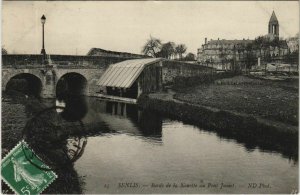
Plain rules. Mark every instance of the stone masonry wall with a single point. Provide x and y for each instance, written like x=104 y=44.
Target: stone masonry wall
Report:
x=61 y=60
x=174 y=69
x=49 y=88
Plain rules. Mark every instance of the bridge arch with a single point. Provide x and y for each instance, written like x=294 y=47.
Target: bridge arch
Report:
x=27 y=83
x=71 y=83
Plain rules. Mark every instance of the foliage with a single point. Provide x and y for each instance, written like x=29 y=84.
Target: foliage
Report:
x=167 y=50
x=180 y=49
x=250 y=57
x=263 y=42
x=155 y=48
x=292 y=58
x=4 y=51
x=152 y=47
x=190 y=57
x=223 y=56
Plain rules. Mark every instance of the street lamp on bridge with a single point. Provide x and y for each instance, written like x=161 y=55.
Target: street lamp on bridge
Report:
x=43 y=51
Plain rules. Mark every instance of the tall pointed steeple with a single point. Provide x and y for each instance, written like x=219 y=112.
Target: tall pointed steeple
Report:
x=273 y=28
x=273 y=18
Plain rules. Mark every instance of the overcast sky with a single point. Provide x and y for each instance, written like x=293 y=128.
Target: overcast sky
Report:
x=75 y=27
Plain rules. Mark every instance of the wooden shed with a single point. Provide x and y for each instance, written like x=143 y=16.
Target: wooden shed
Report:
x=131 y=78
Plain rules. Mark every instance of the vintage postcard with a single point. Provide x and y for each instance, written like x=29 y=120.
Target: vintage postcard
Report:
x=150 y=97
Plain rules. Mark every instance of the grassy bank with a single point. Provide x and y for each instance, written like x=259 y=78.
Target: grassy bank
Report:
x=272 y=100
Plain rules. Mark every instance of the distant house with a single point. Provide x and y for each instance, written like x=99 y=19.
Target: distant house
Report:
x=225 y=54
x=293 y=44
x=131 y=78
x=220 y=53
x=107 y=53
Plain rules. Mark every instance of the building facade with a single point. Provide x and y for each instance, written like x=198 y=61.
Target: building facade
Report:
x=293 y=44
x=236 y=54
x=222 y=54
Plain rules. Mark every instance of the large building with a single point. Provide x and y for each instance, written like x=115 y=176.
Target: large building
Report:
x=230 y=54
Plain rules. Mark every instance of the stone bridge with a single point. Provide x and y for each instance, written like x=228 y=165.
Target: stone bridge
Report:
x=80 y=76
x=47 y=78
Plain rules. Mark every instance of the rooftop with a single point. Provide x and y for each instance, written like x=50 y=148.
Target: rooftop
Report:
x=224 y=41
x=96 y=51
x=123 y=74
x=273 y=18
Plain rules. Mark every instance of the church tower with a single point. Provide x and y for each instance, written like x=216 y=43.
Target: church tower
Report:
x=273 y=26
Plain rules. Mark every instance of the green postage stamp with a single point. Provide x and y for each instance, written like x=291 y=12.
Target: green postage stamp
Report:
x=24 y=176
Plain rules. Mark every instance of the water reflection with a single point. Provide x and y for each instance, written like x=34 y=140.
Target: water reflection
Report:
x=74 y=108
x=60 y=105
x=113 y=137
x=100 y=117
x=126 y=118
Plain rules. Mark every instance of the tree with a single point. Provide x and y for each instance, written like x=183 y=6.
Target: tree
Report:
x=4 y=51
x=250 y=57
x=175 y=54
x=207 y=61
x=292 y=58
x=167 y=50
x=190 y=57
x=152 y=47
x=180 y=49
x=223 y=56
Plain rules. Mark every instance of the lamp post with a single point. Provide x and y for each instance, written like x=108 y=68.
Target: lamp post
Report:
x=43 y=51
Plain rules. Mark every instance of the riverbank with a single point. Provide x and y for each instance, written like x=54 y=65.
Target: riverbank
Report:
x=17 y=110
x=255 y=112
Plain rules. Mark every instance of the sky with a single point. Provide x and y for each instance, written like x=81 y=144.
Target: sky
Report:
x=76 y=27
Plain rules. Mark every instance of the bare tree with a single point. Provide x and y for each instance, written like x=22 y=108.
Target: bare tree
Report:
x=152 y=47
x=181 y=49
x=4 y=51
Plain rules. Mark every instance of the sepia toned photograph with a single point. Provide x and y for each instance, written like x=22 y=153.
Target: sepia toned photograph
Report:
x=150 y=97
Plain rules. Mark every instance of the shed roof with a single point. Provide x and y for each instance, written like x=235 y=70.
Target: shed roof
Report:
x=123 y=74
x=96 y=51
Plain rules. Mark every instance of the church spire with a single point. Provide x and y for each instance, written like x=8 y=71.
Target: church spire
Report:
x=273 y=18
x=273 y=27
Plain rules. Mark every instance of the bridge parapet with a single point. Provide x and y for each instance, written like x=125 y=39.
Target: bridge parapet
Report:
x=47 y=67
x=60 y=60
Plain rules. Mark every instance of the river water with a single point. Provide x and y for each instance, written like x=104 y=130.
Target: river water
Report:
x=138 y=151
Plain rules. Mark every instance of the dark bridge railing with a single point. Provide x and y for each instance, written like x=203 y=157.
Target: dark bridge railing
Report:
x=60 y=60
x=57 y=66
x=14 y=60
